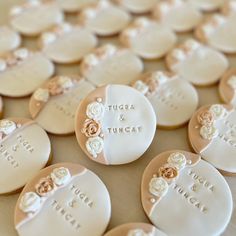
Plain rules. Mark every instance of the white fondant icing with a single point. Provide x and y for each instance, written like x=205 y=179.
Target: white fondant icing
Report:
x=158 y=186
x=177 y=159
x=196 y=206
x=89 y=215
x=41 y=95
x=60 y=176
x=30 y=202
x=95 y=110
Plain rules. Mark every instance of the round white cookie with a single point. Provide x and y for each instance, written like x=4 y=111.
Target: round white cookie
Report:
x=113 y=117
x=182 y=195
x=34 y=16
x=212 y=134
x=24 y=149
x=179 y=15
x=138 y=6
x=66 y=43
x=207 y=5
x=218 y=31
x=174 y=99
x=194 y=61
x=103 y=18
x=148 y=38
x=55 y=103
x=63 y=199
x=74 y=5
x=22 y=71
x=135 y=229
x=109 y=64
x=9 y=39
x=227 y=87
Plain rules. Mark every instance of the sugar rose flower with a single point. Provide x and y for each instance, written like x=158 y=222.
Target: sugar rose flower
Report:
x=30 y=202
x=7 y=126
x=152 y=84
x=218 y=111
x=44 y=187
x=177 y=159
x=60 y=176
x=91 y=128
x=141 y=87
x=94 y=146
x=158 y=186
x=205 y=118
x=55 y=88
x=208 y=132
x=95 y=110
x=168 y=172
x=138 y=232
x=41 y=95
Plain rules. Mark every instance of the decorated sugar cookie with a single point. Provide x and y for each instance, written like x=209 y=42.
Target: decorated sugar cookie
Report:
x=55 y=103
x=194 y=61
x=109 y=64
x=227 y=87
x=103 y=18
x=138 y=6
x=74 y=5
x=207 y=5
x=22 y=71
x=113 y=117
x=66 y=43
x=135 y=229
x=184 y=195
x=212 y=135
x=9 y=39
x=24 y=149
x=174 y=99
x=63 y=199
x=34 y=16
x=148 y=39
x=219 y=31
x=179 y=15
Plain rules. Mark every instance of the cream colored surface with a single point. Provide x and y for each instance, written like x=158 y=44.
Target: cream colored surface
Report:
x=123 y=182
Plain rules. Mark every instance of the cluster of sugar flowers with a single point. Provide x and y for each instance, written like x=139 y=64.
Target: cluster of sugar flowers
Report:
x=31 y=202
x=92 y=127
x=7 y=127
x=55 y=87
x=138 y=232
x=207 y=119
x=14 y=58
x=149 y=85
x=168 y=173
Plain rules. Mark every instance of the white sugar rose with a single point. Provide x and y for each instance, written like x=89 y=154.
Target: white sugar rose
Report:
x=91 y=60
x=30 y=202
x=95 y=111
x=232 y=81
x=218 y=111
x=48 y=38
x=61 y=176
x=208 y=132
x=94 y=146
x=65 y=82
x=138 y=232
x=208 y=29
x=21 y=53
x=7 y=126
x=141 y=87
x=192 y=44
x=41 y=95
x=179 y=54
x=160 y=77
x=158 y=186
x=177 y=159
x=108 y=50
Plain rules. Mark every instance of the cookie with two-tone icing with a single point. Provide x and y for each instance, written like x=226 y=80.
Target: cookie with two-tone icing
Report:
x=193 y=61
x=34 y=16
x=218 y=31
x=22 y=71
x=72 y=6
x=148 y=39
x=174 y=99
x=9 y=39
x=54 y=104
x=207 y=5
x=63 y=199
x=179 y=15
x=184 y=195
x=24 y=149
x=135 y=229
x=110 y=64
x=113 y=117
x=137 y=6
x=212 y=134
x=67 y=43
x=104 y=18
x=227 y=87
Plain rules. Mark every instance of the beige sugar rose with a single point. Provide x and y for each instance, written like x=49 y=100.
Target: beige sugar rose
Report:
x=44 y=187
x=91 y=128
